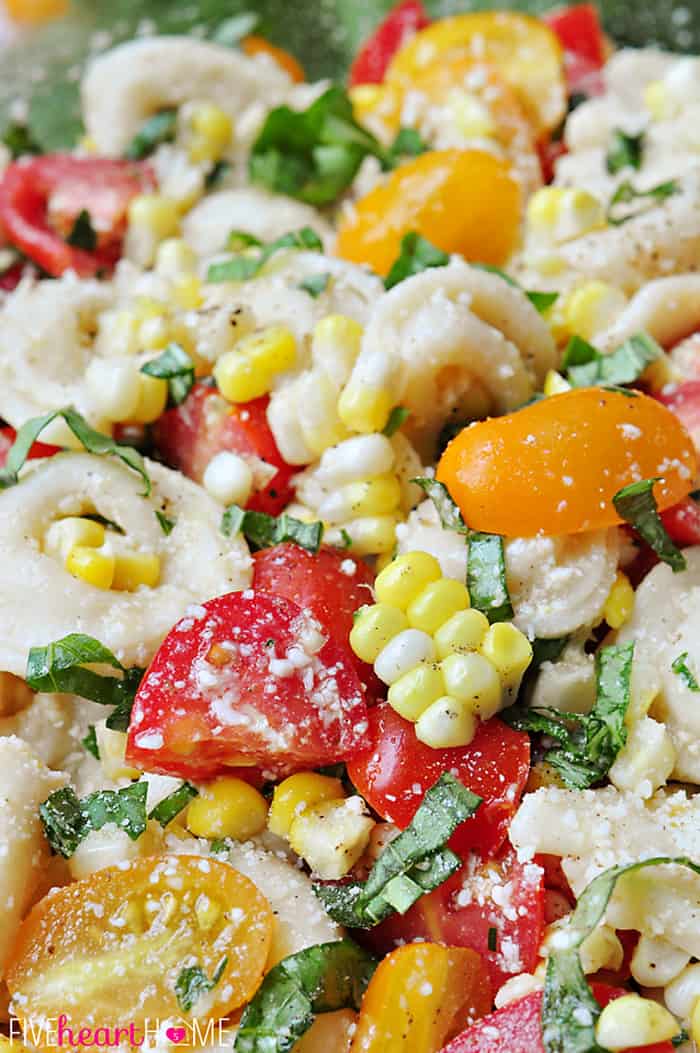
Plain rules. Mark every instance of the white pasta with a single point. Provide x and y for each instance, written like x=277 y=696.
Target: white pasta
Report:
x=667 y=308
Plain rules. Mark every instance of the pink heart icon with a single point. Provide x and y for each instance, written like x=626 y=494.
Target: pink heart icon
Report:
x=176 y=1034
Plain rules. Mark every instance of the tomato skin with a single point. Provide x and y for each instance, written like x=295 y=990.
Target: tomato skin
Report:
x=578 y=28
x=682 y=522
x=255 y=45
x=102 y=187
x=402 y=22
x=554 y=466
x=684 y=401
x=397 y=769
x=10 y=279
x=38 y=449
x=212 y=697
x=189 y=435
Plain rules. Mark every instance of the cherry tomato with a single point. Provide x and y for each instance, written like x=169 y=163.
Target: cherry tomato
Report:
x=11 y=278
x=684 y=401
x=110 y=948
x=579 y=30
x=549 y=153
x=463 y=201
x=555 y=466
x=254 y=45
x=501 y=902
x=402 y=22
x=38 y=449
x=36 y=11
x=250 y=676
x=188 y=436
x=397 y=769
x=41 y=197
x=682 y=522
x=419 y=996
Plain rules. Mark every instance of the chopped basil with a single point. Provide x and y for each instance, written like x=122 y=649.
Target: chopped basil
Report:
x=175 y=366
x=450 y=516
x=89 y=743
x=588 y=743
x=232 y=30
x=679 y=666
x=636 y=504
x=264 y=531
x=93 y=441
x=193 y=982
x=319 y=979
x=220 y=846
x=417 y=254
x=541 y=301
x=316 y=284
x=216 y=174
x=493 y=939
x=345 y=538
x=167 y=525
x=625 y=151
x=586 y=367
x=313 y=154
x=626 y=193
x=60 y=667
x=68 y=819
x=238 y=240
x=108 y=524
x=547 y=650
x=19 y=141
x=166 y=810
x=415 y=862
x=83 y=235
x=398 y=416
x=160 y=128
x=241 y=268
x=569 y=1010
x=408 y=143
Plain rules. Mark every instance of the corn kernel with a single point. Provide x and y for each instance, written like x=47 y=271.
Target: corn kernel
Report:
x=187 y=292
x=370 y=535
x=295 y=794
x=683 y=992
x=620 y=602
x=361 y=457
x=554 y=383
x=656 y=962
x=508 y=650
x=412 y=693
x=462 y=632
x=592 y=307
x=154 y=334
x=601 y=950
x=65 y=534
x=113 y=387
x=132 y=569
x=402 y=653
x=321 y=427
x=557 y=214
x=470 y=115
x=117 y=334
x=402 y=581
x=364 y=408
x=228 y=478
x=373 y=628
x=156 y=213
x=656 y=100
x=274 y=349
x=634 y=1021
x=472 y=679
x=175 y=258
x=227 y=807
x=436 y=603
x=446 y=723
x=111 y=746
x=336 y=340
x=92 y=566
x=237 y=378
x=369 y=497
x=332 y=835
x=153 y=398
x=365 y=98
x=544 y=207
x=213 y=131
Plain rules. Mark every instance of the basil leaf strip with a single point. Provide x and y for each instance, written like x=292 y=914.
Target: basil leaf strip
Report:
x=316 y=284
x=158 y=129
x=679 y=666
x=398 y=416
x=626 y=193
x=408 y=143
x=89 y=743
x=586 y=367
x=93 y=441
x=175 y=366
x=264 y=531
x=193 y=982
x=68 y=819
x=625 y=151
x=20 y=141
x=83 y=235
x=241 y=268
x=541 y=301
x=416 y=255
x=167 y=525
x=319 y=979
x=448 y=512
x=636 y=504
x=569 y=1010
x=166 y=810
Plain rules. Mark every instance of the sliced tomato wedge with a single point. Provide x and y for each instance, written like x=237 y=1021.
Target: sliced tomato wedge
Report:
x=38 y=449
x=402 y=22
x=41 y=197
x=397 y=769
x=682 y=522
x=247 y=678
x=581 y=34
x=188 y=436
x=684 y=401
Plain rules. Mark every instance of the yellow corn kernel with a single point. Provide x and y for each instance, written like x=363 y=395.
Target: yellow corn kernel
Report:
x=118 y=333
x=601 y=950
x=402 y=581
x=132 y=569
x=153 y=398
x=295 y=794
x=157 y=214
x=337 y=336
x=364 y=408
x=365 y=98
x=383 y=561
x=436 y=603
x=372 y=497
x=620 y=602
x=175 y=258
x=554 y=383
x=332 y=835
x=592 y=307
x=371 y=535
x=473 y=680
x=111 y=746
x=656 y=99
x=544 y=207
x=154 y=334
x=87 y=144
x=447 y=722
x=65 y=534
x=471 y=117
x=462 y=632
x=508 y=650
x=634 y=1021
x=695 y=1022
x=321 y=427
x=148 y=307
x=212 y=132
x=91 y=565
x=247 y=371
x=374 y=626
x=274 y=349
x=557 y=214
x=227 y=807
x=187 y=292
x=412 y=693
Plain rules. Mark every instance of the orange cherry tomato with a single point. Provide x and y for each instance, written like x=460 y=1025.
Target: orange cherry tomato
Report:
x=108 y=950
x=525 y=51
x=254 y=45
x=35 y=11
x=463 y=201
x=421 y=995
x=555 y=466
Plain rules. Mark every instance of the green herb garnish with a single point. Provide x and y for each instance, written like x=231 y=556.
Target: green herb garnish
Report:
x=68 y=819
x=626 y=193
x=175 y=366
x=166 y=810
x=625 y=151
x=158 y=129
x=636 y=504
x=680 y=667
x=193 y=982
x=241 y=268
x=264 y=531
x=585 y=366
x=417 y=254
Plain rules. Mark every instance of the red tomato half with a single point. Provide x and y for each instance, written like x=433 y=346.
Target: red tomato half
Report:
x=39 y=449
x=11 y=278
x=397 y=769
x=684 y=401
x=189 y=435
x=402 y=22
x=682 y=522
x=41 y=197
x=579 y=30
x=246 y=677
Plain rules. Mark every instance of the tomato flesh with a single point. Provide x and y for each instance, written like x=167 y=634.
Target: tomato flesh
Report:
x=247 y=678
x=397 y=769
x=374 y=56
x=684 y=401
x=38 y=449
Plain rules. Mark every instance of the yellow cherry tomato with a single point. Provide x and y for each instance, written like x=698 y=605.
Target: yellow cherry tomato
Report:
x=555 y=466
x=35 y=11
x=109 y=950
x=254 y=45
x=522 y=48
x=463 y=201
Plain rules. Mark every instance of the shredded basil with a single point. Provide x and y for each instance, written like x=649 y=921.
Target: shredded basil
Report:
x=586 y=367
x=167 y=525
x=160 y=128
x=316 y=284
x=408 y=143
x=264 y=531
x=417 y=254
x=220 y=846
x=319 y=979
x=493 y=939
x=398 y=416
x=19 y=141
x=241 y=268
x=83 y=235
x=541 y=301
x=626 y=193
x=448 y=512
x=193 y=982
x=625 y=151
x=345 y=538
x=636 y=504
x=68 y=819
x=89 y=743
x=93 y=441
x=216 y=174
x=166 y=810
x=175 y=366
x=680 y=667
